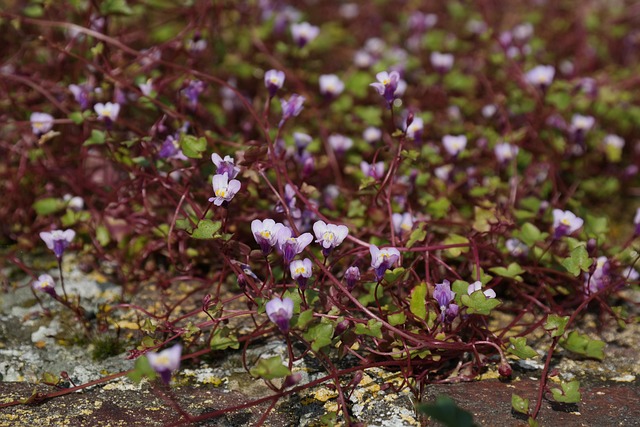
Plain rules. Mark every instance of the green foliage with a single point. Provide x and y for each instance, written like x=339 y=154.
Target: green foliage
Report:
x=319 y=335
x=192 y=146
x=391 y=276
x=270 y=368
x=478 y=303
x=142 y=369
x=397 y=319
x=417 y=235
x=530 y=234
x=447 y=412
x=455 y=239
x=303 y=319
x=556 y=324
x=97 y=137
x=223 y=338
x=519 y=404
x=206 y=229
x=373 y=328
x=48 y=206
x=115 y=7
x=583 y=345
x=518 y=346
x=513 y=271
x=577 y=261
x=569 y=393
x=418 y=301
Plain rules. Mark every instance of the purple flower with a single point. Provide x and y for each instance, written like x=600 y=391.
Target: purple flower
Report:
x=226 y=165
x=387 y=85
x=516 y=248
x=273 y=80
x=107 y=112
x=402 y=223
x=454 y=144
x=340 y=143
x=444 y=296
x=477 y=286
x=565 y=222
x=41 y=123
x=329 y=235
x=372 y=134
x=383 y=259
x=45 y=283
x=166 y=361
x=330 y=85
x=540 y=76
x=223 y=189
x=636 y=221
x=291 y=108
x=374 y=170
x=193 y=91
x=81 y=94
x=442 y=62
x=415 y=129
x=352 y=276
x=292 y=246
x=280 y=312
x=599 y=278
x=301 y=271
x=170 y=149
x=266 y=233
x=303 y=33
x=580 y=123
x=505 y=152
x=58 y=240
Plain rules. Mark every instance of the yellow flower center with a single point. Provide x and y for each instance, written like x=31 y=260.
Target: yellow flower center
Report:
x=565 y=221
x=405 y=226
x=386 y=81
x=45 y=284
x=300 y=270
x=162 y=361
x=266 y=234
x=221 y=192
x=328 y=236
x=38 y=125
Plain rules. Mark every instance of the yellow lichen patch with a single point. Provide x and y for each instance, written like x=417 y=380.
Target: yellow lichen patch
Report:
x=125 y=324
x=214 y=381
x=324 y=394
x=40 y=344
x=98 y=277
x=409 y=420
x=331 y=406
x=490 y=375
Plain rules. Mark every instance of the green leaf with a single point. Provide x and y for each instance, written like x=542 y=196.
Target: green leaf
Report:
x=320 y=335
x=270 y=368
x=224 y=339
x=512 y=271
x=439 y=208
x=48 y=206
x=446 y=411
x=530 y=234
x=103 y=236
x=397 y=319
x=569 y=393
x=76 y=117
x=418 y=301
x=578 y=261
x=556 y=324
x=205 y=229
x=142 y=369
x=519 y=404
x=478 y=303
x=455 y=239
x=304 y=318
x=583 y=345
x=520 y=348
x=392 y=275
x=192 y=147
x=372 y=329
x=115 y=7
x=417 y=235
x=97 y=138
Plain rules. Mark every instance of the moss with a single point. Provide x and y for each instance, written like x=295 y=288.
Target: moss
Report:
x=106 y=346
